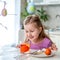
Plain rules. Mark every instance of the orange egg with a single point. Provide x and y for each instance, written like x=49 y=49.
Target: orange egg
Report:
x=24 y=48
x=48 y=51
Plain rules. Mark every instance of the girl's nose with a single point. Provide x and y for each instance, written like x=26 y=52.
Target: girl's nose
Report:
x=29 y=34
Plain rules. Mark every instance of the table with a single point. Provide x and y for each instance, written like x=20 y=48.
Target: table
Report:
x=12 y=53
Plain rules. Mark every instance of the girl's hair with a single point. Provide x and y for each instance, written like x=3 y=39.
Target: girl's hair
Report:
x=35 y=19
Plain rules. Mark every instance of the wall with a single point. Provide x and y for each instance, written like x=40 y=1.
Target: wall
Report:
x=9 y=24
x=54 y=12
x=23 y=3
x=17 y=19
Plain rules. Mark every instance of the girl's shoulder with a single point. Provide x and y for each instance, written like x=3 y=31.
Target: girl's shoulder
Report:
x=46 y=40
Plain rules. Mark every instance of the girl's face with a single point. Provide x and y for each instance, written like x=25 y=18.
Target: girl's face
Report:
x=31 y=32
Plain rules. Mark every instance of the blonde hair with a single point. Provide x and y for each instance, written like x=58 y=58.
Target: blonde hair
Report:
x=35 y=19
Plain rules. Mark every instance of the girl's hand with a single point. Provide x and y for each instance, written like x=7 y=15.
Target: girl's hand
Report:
x=18 y=46
x=53 y=47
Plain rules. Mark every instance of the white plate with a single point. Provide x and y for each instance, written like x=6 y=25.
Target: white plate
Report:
x=43 y=55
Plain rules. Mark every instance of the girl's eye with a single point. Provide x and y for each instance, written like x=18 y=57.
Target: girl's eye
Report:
x=26 y=31
x=32 y=31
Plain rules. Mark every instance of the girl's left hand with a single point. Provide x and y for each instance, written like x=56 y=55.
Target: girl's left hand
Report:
x=53 y=47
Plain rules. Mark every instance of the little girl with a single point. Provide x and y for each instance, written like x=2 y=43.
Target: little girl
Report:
x=35 y=34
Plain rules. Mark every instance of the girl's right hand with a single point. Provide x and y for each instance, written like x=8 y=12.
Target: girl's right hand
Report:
x=18 y=46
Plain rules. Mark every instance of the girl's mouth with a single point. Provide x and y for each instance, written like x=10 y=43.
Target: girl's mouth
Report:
x=31 y=37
